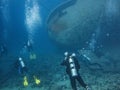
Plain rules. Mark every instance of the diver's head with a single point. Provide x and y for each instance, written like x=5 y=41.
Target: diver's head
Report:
x=66 y=53
x=20 y=59
x=73 y=55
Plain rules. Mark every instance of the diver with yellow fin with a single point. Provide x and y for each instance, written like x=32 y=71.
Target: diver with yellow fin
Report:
x=29 y=48
x=22 y=70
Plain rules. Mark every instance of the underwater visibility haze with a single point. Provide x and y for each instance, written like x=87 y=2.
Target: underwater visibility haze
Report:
x=35 y=35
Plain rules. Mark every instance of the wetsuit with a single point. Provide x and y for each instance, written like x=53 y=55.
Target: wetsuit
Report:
x=72 y=69
x=22 y=69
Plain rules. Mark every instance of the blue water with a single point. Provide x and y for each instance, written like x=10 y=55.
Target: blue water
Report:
x=14 y=31
x=23 y=20
x=16 y=28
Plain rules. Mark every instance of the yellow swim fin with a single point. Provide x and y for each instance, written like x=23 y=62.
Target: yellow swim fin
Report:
x=25 y=81
x=37 y=81
x=32 y=56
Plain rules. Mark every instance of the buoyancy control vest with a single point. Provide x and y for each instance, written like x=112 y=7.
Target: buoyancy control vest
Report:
x=72 y=67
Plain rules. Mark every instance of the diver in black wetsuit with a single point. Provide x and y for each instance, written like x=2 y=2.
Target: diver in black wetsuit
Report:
x=3 y=50
x=72 y=69
x=29 y=46
x=21 y=67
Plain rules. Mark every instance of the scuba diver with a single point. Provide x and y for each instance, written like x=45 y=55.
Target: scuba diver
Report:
x=28 y=46
x=22 y=69
x=72 y=69
x=20 y=65
x=3 y=50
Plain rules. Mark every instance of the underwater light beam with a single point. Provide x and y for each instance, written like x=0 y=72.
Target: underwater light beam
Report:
x=33 y=19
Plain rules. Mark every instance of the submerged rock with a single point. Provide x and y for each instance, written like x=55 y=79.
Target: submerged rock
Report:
x=74 y=22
